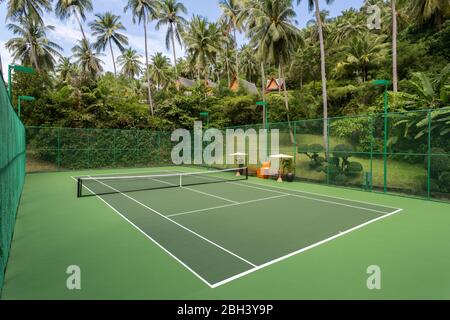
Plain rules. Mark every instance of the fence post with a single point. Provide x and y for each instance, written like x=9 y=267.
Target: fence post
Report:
x=58 y=151
x=371 y=153
x=429 y=156
x=295 y=147
x=385 y=150
x=159 y=148
x=327 y=148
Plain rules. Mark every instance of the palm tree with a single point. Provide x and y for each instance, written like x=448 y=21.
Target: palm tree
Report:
x=426 y=10
x=65 y=69
x=77 y=8
x=186 y=66
x=349 y=24
x=226 y=57
x=203 y=41
x=106 y=28
x=315 y=4
x=394 y=46
x=363 y=53
x=160 y=70
x=233 y=20
x=31 y=46
x=88 y=61
x=273 y=33
x=32 y=9
x=131 y=64
x=142 y=10
x=249 y=62
x=169 y=14
x=427 y=92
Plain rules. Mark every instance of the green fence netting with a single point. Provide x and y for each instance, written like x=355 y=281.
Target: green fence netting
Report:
x=12 y=173
x=55 y=149
x=413 y=158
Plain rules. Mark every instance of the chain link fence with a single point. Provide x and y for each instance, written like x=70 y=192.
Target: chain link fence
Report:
x=411 y=156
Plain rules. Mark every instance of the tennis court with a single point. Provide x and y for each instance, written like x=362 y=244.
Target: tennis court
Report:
x=221 y=226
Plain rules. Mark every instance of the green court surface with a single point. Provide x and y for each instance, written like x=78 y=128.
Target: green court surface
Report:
x=241 y=239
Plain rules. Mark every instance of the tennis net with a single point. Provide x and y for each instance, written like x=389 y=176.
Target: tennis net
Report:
x=94 y=186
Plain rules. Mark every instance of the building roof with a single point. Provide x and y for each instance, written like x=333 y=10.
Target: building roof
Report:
x=211 y=84
x=186 y=83
x=274 y=84
x=248 y=86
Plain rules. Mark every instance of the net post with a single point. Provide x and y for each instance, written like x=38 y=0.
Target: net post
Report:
x=79 y=186
x=246 y=173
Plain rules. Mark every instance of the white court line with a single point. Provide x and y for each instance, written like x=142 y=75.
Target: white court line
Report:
x=226 y=206
x=182 y=174
x=304 y=197
x=120 y=173
x=315 y=199
x=149 y=237
x=323 y=195
x=312 y=193
x=211 y=195
x=215 y=285
x=180 y=225
x=198 y=191
x=256 y=268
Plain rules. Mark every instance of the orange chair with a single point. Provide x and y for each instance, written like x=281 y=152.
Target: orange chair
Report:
x=264 y=171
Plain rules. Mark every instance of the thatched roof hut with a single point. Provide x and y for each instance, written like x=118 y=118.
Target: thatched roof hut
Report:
x=236 y=84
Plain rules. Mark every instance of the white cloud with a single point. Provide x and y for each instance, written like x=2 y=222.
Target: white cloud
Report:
x=156 y=43
x=67 y=33
x=6 y=58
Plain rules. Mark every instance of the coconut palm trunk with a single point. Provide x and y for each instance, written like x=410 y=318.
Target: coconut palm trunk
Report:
x=149 y=89
x=324 y=77
x=237 y=55
x=263 y=78
x=286 y=103
x=75 y=13
x=279 y=79
x=228 y=67
x=112 y=56
x=174 y=56
x=394 y=47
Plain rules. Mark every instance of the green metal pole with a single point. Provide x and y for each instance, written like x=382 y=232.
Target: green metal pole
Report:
x=18 y=107
x=295 y=147
x=266 y=108
x=429 y=156
x=371 y=154
x=385 y=135
x=264 y=117
x=58 y=157
x=328 y=153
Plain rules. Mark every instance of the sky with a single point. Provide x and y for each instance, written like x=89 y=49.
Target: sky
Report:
x=67 y=32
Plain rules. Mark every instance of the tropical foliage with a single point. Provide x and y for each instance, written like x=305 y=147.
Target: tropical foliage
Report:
x=327 y=67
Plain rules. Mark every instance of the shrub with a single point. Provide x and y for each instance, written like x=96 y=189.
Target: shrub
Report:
x=340 y=178
x=343 y=151
x=439 y=162
x=316 y=159
x=434 y=186
x=354 y=168
x=444 y=181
